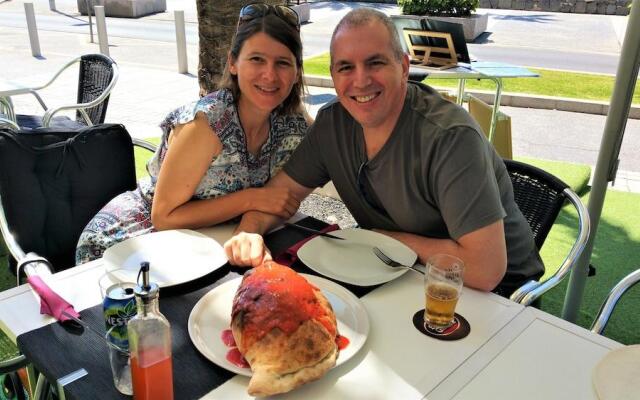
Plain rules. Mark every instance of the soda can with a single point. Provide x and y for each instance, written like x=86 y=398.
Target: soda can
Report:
x=119 y=307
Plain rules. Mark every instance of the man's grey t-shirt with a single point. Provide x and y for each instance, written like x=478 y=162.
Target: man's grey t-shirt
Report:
x=436 y=176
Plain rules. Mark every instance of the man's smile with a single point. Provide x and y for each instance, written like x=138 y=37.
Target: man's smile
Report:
x=365 y=98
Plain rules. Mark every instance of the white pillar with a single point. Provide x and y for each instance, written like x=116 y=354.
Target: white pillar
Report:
x=102 y=30
x=33 y=29
x=87 y=4
x=181 y=41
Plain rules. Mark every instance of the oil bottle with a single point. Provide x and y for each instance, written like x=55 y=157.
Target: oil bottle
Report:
x=150 y=344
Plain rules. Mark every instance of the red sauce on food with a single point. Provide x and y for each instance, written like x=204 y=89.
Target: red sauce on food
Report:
x=227 y=338
x=235 y=357
x=274 y=296
x=342 y=342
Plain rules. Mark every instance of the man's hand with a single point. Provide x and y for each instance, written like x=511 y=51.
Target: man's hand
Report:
x=246 y=247
x=278 y=201
x=246 y=250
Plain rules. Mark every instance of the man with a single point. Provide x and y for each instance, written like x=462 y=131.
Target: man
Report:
x=406 y=163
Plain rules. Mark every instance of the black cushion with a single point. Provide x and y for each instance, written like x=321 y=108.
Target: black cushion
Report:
x=53 y=181
x=28 y=122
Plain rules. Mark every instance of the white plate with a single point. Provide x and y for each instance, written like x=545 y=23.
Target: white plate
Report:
x=212 y=314
x=352 y=260
x=616 y=375
x=176 y=256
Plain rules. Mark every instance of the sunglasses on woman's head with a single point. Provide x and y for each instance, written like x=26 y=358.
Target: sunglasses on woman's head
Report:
x=259 y=10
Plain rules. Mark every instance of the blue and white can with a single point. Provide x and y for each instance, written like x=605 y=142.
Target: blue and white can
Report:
x=119 y=307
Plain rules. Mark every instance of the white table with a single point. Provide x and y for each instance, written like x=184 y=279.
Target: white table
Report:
x=384 y=362
x=536 y=356
x=20 y=306
x=509 y=352
x=397 y=361
x=493 y=71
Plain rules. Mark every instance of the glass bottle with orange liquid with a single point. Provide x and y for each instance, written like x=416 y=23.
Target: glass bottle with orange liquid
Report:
x=150 y=344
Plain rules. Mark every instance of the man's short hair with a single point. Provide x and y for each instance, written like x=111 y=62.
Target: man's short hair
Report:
x=364 y=15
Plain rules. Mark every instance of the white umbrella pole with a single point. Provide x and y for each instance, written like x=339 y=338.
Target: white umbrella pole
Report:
x=606 y=166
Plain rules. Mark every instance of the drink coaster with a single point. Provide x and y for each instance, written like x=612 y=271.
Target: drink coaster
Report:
x=458 y=330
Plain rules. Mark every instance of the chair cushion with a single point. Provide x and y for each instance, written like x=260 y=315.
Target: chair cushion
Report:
x=53 y=181
x=27 y=122
x=417 y=74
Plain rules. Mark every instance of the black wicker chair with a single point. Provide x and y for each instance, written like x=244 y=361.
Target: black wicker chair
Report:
x=98 y=75
x=540 y=196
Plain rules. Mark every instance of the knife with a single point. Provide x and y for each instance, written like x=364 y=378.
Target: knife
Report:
x=310 y=230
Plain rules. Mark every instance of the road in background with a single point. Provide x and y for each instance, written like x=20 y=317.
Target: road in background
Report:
x=149 y=86
x=576 y=42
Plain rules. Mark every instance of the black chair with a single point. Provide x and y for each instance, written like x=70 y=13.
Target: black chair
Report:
x=540 y=196
x=98 y=75
x=11 y=385
x=52 y=182
x=401 y=22
x=417 y=34
x=607 y=307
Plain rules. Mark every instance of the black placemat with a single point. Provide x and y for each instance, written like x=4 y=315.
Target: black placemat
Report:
x=57 y=351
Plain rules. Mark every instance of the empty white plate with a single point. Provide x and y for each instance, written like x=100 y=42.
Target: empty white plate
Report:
x=616 y=375
x=352 y=260
x=175 y=257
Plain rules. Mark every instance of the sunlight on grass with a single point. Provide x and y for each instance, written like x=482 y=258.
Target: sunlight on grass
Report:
x=318 y=65
x=550 y=83
x=142 y=156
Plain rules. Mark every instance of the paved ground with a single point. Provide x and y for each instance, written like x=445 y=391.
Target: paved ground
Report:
x=149 y=86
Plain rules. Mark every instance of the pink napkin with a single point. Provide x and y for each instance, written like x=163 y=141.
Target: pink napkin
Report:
x=290 y=255
x=50 y=302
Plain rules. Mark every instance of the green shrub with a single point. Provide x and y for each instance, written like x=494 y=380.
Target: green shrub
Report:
x=456 y=8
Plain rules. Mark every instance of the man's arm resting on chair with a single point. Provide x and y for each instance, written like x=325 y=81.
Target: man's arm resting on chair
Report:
x=246 y=247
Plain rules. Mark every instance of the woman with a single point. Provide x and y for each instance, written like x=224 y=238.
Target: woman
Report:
x=217 y=153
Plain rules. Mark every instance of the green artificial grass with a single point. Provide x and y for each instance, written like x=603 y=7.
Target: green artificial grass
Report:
x=318 y=65
x=616 y=254
x=550 y=83
x=142 y=156
x=575 y=175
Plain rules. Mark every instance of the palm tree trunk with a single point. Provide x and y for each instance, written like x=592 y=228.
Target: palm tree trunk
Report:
x=217 y=20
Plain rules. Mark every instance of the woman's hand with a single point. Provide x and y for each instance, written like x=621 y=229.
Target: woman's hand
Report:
x=278 y=201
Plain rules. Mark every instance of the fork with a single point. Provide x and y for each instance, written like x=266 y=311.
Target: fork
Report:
x=391 y=262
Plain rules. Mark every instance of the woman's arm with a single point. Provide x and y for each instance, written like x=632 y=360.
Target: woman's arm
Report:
x=192 y=147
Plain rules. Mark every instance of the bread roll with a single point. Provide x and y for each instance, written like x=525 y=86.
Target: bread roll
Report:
x=284 y=327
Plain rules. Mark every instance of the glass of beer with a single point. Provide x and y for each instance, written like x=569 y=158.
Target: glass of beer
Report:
x=442 y=287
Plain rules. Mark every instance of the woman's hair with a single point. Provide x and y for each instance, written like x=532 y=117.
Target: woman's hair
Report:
x=281 y=31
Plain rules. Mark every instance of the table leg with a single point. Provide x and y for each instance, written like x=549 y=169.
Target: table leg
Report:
x=460 y=98
x=496 y=107
x=6 y=108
